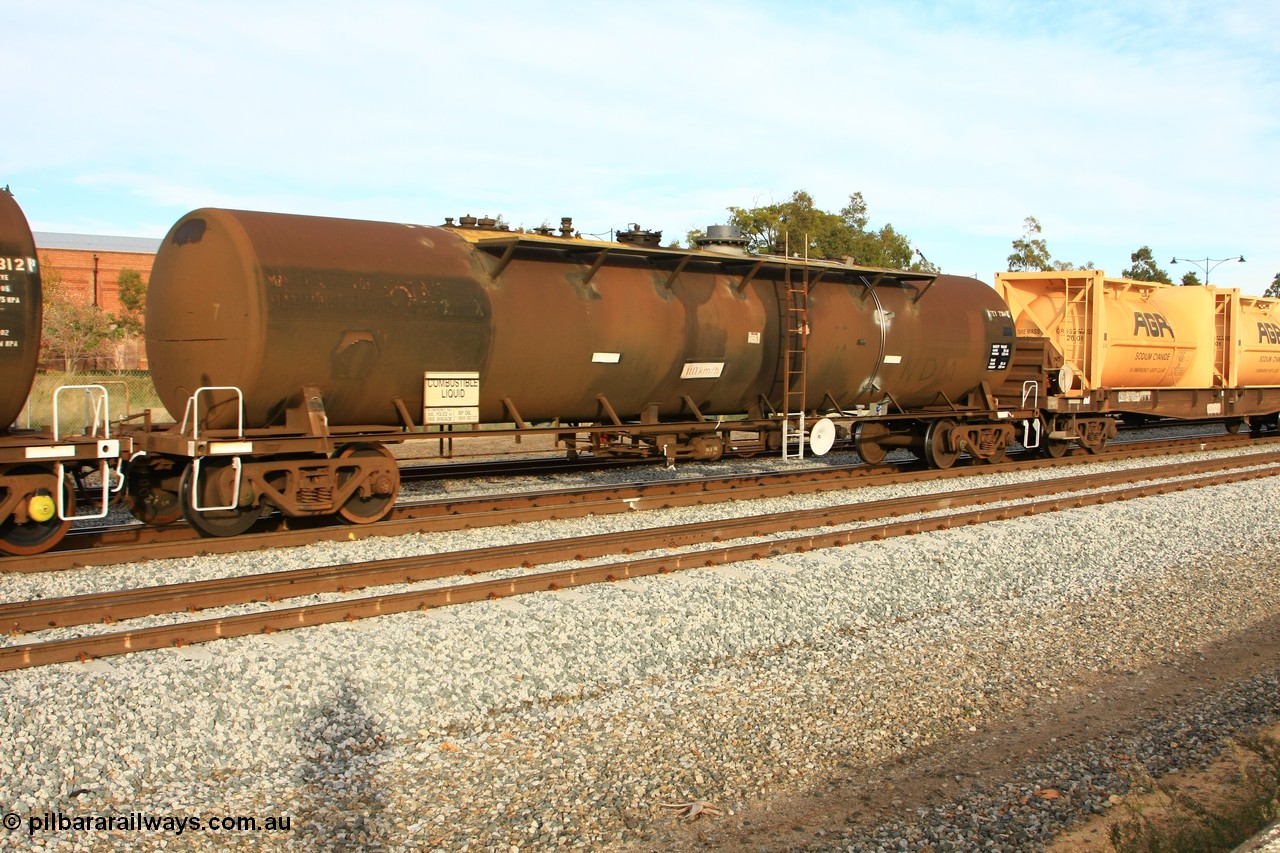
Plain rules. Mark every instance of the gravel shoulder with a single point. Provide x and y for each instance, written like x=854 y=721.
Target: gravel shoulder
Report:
x=1172 y=718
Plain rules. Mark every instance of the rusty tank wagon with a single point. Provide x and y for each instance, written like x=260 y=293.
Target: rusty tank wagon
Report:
x=38 y=467
x=294 y=351
x=291 y=349
x=21 y=308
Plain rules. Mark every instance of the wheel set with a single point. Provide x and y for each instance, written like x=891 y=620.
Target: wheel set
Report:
x=222 y=497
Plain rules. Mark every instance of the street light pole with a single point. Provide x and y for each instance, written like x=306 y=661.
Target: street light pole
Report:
x=1204 y=263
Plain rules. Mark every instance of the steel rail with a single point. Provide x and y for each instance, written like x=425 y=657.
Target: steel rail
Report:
x=136 y=542
x=35 y=654
x=66 y=611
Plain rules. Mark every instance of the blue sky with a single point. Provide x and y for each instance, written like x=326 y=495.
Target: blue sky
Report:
x=1116 y=124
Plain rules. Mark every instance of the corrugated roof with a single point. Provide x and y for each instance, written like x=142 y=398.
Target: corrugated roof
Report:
x=96 y=243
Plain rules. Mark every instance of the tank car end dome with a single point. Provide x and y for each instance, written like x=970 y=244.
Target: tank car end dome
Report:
x=21 y=311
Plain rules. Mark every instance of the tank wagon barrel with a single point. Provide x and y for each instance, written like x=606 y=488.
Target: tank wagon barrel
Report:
x=539 y=326
x=20 y=308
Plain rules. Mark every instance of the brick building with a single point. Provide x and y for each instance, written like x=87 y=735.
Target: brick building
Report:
x=90 y=266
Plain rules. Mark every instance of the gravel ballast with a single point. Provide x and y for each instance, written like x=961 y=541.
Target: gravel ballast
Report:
x=569 y=718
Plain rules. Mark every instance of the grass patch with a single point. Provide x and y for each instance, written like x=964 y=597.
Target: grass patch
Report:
x=1176 y=822
x=128 y=391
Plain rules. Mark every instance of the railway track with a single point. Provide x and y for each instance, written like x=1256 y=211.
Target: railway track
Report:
x=749 y=538
x=132 y=542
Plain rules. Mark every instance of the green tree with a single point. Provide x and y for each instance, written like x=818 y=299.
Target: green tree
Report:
x=1068 y=265
x=1190 y=279
x=72 y=330
x=133 y=298
x=1273 y=290
x=889 y=248
x=1144 y=268
x=784 y=226
x=797 y=227
x=1031 y=252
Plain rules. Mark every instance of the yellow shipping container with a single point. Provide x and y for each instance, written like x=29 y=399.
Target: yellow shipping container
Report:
x=1248 y=340
x=1114 y=332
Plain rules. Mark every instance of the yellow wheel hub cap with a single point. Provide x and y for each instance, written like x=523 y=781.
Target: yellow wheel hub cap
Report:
x=41 y=508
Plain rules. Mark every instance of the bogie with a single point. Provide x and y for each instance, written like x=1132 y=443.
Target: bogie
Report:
x=31 y=523
x=213 y=502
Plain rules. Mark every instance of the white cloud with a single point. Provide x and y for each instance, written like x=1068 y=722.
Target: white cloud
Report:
x=1117 y=124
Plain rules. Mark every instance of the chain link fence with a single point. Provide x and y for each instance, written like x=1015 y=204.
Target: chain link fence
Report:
x=128 y=392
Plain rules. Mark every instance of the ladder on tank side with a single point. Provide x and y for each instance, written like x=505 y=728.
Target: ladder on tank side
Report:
x=795 y=363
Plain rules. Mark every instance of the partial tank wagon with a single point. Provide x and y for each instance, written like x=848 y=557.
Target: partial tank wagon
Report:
x=20 y=308
x=38 y=468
